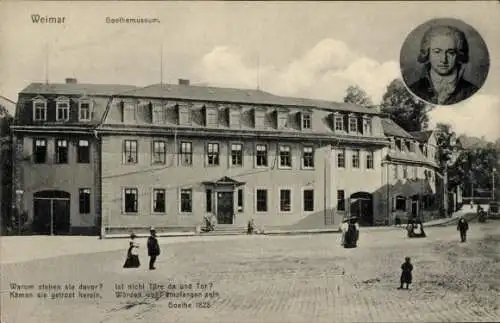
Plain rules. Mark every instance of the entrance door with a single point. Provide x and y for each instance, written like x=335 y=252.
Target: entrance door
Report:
x=51 y=207
x=225 y=207
x=414 y=209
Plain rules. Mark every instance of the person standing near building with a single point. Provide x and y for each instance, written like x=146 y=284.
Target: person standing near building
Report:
x=462 y=227
x=132 y=260
x=153 y=248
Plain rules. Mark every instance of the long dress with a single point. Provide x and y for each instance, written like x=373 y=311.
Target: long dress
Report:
x=132 y=260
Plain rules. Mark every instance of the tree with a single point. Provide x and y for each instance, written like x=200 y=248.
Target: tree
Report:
x=402 y=107
x=356 y=95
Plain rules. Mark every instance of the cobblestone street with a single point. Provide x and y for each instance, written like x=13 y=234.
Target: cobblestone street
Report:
x=280 y=279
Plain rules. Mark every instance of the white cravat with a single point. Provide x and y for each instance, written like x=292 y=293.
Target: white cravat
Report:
x=444 y=85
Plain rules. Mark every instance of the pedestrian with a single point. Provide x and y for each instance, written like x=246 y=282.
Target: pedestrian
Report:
x=463 y=226
x=153 y=248
x=406 y=276
x=132 y=260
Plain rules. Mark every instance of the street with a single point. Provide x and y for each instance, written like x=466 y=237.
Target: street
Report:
x=306 y=278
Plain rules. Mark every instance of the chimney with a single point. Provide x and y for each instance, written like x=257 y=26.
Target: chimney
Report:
x=70 y=80
x=183 y=82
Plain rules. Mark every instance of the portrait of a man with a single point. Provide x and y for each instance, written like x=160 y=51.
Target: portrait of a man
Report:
x=444 y=53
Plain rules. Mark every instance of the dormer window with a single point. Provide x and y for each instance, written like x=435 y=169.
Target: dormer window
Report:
x=184 y=115
x=234 y=117
x=211 y=116
x=259 y=116
x=393 y=144
x=398 y=144
x=39 y=109
x=84 y=110
x=306 y=120
x=158 y=113
x=367 y=125
x=128 y=111
x=282 y=118
x=338 y=121
x=411 y=146
x=62 y=109
x=353 y=124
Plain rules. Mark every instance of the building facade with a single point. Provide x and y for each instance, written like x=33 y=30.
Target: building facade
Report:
x=412 y=186
x=104 y=158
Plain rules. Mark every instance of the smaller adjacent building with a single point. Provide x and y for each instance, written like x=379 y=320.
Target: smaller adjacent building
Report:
x=413 y=189
x=6 y=107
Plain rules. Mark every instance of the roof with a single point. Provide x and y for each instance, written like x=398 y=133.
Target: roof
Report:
x=391 y=128
x=422 y=136
x=76 y=89
x=7 y=99
x=191 y=92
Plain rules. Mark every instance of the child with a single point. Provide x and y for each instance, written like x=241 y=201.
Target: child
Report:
x=406 y=276
x=132 y=260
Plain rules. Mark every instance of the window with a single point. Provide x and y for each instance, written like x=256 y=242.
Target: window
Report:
x=159 y=200
x=186 y=200
x=424 y=149
x=341 y=158
x=184 y=116
x=353 y=124
x=285 y=200
x=259 y=118
x=306 y=121
x=405 y=171
x=208 y=200
x=158 y=114
x=308 y=157
x=62 y=152
x=261 y=155
x=84 y=200
x=236 y=154
x=308 y=200
x=411 y=146
x=40 y=151
x=130 y=151
x=240 y=200
x=211 y=117
x=396 y=172
x=400 y=203
x=84 y=111
x=285 y=157
x=234 y=118
x=62 y=109
x=39 y=110
x=213 y=154
x=339 y=123
x=367 y=124
x=130 y=200
x=398 y=144
x=340 y=200
x=282 y=120
x=355 y=158
x=369 y=160
x=159 y=152
x=186 y=154
x=83 y=152
x=415 y=172
x=261 y=200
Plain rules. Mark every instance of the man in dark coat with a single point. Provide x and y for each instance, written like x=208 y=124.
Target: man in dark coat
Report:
x=463 y=226
x=406 y=275
x=444 y=52
x=153 y=248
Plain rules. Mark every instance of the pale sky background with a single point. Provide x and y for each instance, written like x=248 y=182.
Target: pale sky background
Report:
x=303 y=49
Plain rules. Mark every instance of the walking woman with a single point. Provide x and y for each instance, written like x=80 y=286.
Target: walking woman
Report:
x=132 y=260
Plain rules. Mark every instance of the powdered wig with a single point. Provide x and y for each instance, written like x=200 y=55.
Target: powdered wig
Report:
x=457 y=34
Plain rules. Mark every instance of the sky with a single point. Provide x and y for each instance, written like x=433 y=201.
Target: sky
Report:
x=302 y=49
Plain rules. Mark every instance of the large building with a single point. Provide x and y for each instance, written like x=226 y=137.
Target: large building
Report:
x=7 y=106
x=109 y=158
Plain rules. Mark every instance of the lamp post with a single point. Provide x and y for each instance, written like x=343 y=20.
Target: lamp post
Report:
x=493 y=184
x=19 y=202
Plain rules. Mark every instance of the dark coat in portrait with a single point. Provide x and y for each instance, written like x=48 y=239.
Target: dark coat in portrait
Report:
x=424 y=89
